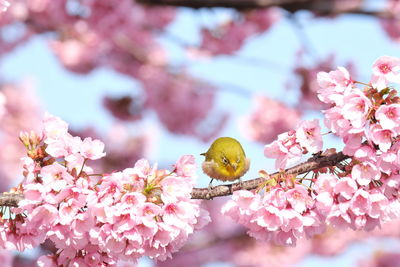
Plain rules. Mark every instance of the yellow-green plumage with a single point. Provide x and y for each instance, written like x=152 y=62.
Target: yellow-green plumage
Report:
x=225 y=160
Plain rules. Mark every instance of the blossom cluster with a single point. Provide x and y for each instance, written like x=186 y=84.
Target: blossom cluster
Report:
x=95 y=219
x=279 y=216
x=360 y=193
x=290 y=146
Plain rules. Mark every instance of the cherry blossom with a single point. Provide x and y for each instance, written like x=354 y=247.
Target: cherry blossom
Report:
x=139 y=211
x=290 y=146
x=385 y=69
x=360 y=195
x=333 y=85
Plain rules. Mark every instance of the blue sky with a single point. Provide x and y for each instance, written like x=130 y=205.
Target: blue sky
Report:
x=264 y=65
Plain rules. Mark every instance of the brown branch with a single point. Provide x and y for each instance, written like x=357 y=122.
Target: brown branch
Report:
x=310 y=165
x=237 y=4
x=320 y=7
x=316 y=162
x=10 y=200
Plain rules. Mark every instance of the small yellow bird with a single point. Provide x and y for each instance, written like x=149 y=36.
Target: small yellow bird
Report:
x=225 y=160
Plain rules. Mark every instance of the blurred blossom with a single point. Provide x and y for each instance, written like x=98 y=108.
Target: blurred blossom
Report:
x=391 y=24
x=91 y=34
x=4 y=5
x=334 y=241
x=381 y=259
x=229 y=36
x=18 y=114
x=307 y=80
x=126 y=145
x=182 y=103
x=78 y=55
x=6 y=258
x=266 y=121
x=258 y=253
x=2 y=104
x=124 y=108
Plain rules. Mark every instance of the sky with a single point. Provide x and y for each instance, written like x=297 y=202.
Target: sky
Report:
x=263 y=67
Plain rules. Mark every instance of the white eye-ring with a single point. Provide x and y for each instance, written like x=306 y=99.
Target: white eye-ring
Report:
x=225 y=161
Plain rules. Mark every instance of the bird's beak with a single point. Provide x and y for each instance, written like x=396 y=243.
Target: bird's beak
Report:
x=234 y=167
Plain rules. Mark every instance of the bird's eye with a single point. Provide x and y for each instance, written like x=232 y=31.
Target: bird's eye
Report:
x=225 y=161
x=238 y=160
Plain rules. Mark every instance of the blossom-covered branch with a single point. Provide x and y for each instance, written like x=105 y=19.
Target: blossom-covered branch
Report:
x=96 y=218
x=312 y=164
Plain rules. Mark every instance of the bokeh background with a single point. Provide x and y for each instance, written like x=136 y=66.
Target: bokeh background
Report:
x=159 y=82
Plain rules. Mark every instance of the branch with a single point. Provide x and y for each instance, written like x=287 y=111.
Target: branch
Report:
x=320 y=7
x=10 y=200
x=314 y=163
x=237 y=4
x=310 y=165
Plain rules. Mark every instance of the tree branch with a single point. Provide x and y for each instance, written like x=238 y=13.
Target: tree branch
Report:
x=237 y=4
x=10 y=200
x=314 y=163
x=320 y=7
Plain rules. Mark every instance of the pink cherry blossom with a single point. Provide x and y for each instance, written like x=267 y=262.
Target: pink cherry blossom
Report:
x=298 y=198
x=338 y=216
x=356 y=107
x=278 y=216
x=92 y=149
x=140 y=211
x=353 y=143
x=387 y=161
x=270 y=217
x=335 y=121
x=385 y=69
x=346 y=187
x=333 y=85
x=381 y=137
x=365 y=172
x=285 y=150
x=325 y=183
x=309 y=136
x=389 y=116
x=365 y=152
x=360 y=203
x=54 y=128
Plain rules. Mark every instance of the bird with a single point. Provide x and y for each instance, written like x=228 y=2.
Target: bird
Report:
x=225 y=160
